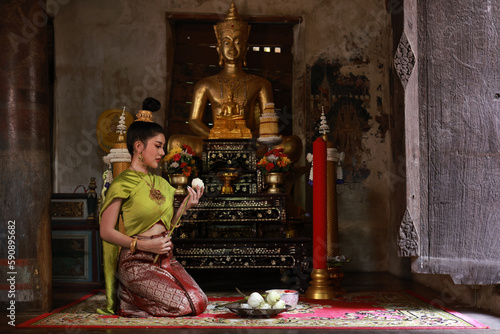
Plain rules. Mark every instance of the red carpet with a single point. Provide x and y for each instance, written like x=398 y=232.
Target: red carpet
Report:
x=363 y=310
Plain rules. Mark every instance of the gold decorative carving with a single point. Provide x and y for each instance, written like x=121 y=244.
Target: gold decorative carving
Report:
x=69 y=209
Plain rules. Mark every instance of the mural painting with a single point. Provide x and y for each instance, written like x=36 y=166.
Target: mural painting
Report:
x=344 y=99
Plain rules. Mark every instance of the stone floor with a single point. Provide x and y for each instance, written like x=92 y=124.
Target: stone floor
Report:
x=212 y=282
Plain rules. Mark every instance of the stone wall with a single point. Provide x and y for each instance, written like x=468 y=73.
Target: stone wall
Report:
x=115 y=53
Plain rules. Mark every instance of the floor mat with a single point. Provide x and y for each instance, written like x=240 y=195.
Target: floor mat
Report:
x=362 y=310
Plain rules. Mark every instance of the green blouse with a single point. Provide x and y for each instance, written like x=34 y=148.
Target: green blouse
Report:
x=139 y=213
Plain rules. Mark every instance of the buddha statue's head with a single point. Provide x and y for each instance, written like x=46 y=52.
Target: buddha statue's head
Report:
x=232 y=37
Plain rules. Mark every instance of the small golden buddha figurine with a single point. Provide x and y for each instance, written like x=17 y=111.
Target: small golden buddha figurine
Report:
x=230 y=109
x=230 y=123
x=234 y=95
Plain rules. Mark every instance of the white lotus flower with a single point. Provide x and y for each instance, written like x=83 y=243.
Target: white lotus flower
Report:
x=255 y=300
x=245 y=306
x=273 y=297
x=265 y=306
x=197 y=182
x=280 y=304
x=272 y=158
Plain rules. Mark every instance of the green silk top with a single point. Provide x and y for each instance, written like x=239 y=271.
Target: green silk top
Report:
x=139 y=213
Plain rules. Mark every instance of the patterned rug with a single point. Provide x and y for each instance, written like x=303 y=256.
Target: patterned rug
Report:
x=363 y=310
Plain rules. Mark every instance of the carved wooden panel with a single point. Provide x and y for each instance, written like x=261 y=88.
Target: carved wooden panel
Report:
x=404 y=60
x=459 y=140
x=407 y=238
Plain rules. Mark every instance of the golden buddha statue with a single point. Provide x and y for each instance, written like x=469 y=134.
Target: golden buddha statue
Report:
x=234 y=95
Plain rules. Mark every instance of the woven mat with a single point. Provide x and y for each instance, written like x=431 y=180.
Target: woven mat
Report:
x=363 y=310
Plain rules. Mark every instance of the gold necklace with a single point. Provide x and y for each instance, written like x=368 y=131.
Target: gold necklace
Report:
x=155 y=195
x=233 y=84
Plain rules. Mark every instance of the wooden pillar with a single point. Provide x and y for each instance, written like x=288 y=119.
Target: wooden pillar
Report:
x=332 y=227
x=25 y=252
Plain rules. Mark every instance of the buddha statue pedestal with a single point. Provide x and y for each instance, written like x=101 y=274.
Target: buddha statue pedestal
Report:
x=235 y=216
x=245 y=229
x=228 y=128
x=231 y=231
x=230 y=155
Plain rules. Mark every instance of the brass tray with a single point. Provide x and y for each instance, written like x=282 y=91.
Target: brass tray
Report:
x=255 y=312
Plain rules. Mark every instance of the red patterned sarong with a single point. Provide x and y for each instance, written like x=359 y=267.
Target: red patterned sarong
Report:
x=163 y=289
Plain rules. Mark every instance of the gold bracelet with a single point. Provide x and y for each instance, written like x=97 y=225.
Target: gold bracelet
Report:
x=133 y=245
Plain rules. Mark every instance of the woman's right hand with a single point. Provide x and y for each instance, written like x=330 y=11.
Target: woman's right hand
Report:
x=161 y=245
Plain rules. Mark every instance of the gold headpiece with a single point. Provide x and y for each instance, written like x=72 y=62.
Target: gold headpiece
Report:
x=232 y=22
x=149 y=106
x=144 y=116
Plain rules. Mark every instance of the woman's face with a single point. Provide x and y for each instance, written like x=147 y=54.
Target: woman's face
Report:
x=153 y=152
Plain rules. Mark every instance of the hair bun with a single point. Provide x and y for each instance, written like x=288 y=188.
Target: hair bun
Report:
x=151 y=104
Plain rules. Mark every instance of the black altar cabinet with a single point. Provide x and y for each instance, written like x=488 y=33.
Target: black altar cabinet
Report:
x=246 y=229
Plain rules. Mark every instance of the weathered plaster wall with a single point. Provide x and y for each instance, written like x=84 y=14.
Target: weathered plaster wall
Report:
x=357 y=36
x=114 y=53
x=108 y=55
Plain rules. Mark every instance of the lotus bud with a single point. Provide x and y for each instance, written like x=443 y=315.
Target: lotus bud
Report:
x=255 y=300
x=279 y=304
x=197 y=182
x=265 y=306
x=273 y=297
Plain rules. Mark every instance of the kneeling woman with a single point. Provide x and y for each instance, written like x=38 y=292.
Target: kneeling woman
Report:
x=139 y=282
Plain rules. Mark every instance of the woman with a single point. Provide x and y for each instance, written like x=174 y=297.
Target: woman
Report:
x=147 y=281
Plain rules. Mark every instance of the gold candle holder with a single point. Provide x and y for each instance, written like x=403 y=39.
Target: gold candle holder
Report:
x=227 y=178
x=319 y=287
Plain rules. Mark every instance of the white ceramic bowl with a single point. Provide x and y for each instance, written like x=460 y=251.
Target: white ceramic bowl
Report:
x=291 y=297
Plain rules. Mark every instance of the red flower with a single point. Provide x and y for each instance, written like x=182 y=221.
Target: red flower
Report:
x=269 y=166
x=277 y=152
x=176 y=157
x=188 y=149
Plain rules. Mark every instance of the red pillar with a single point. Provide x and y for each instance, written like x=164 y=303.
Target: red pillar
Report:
x=319 y=204
x=25 y=158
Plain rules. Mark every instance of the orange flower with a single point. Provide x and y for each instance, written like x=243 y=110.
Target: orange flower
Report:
x=186 y=170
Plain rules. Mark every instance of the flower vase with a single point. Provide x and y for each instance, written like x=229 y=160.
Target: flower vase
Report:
x=275 y=182
x=180 y=182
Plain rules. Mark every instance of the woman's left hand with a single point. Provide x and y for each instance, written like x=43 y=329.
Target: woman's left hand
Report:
x=193 y=197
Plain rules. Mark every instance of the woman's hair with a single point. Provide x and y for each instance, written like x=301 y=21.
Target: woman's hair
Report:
x=142 y=131
x=151 y=104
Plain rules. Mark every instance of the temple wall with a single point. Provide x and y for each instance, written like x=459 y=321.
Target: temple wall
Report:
x=114 y=53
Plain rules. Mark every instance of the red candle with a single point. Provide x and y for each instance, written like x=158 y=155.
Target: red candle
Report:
x=319 y=204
